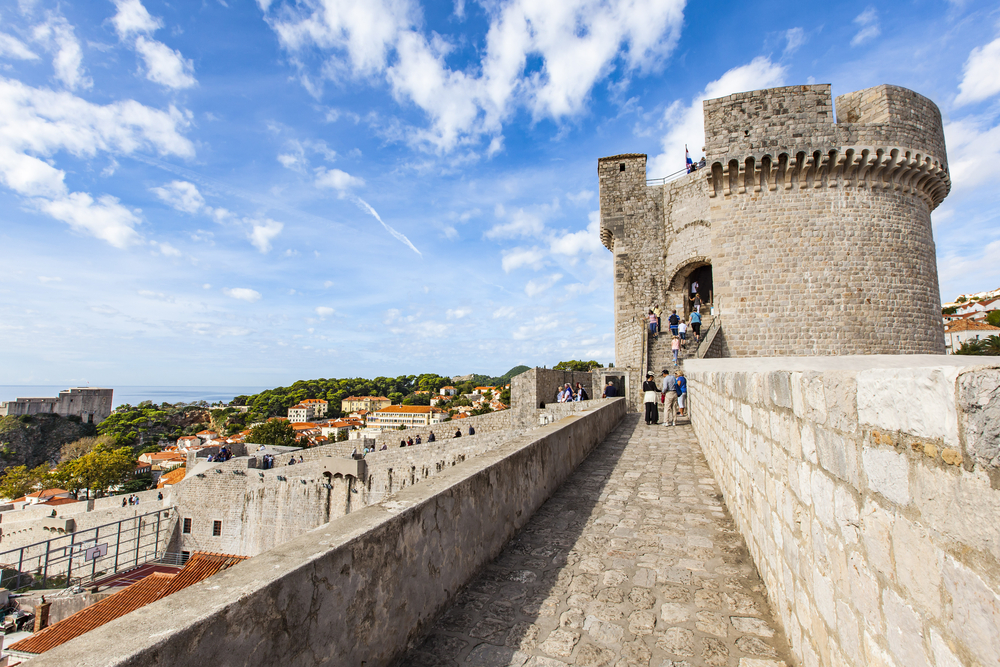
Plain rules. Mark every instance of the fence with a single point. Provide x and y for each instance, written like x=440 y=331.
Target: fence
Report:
x=80 y=557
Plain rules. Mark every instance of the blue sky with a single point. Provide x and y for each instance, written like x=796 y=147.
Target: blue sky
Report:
x=256 y=192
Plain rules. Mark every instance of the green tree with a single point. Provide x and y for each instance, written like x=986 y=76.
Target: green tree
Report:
x=342 y=436
x=19 y=481
x=276 y=432
x=993 y=318
x=77 y=448
x=972 y=347
x=575 y=365
x=505 y=396
x=97 y=470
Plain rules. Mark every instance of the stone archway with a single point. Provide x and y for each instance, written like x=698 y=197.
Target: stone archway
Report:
x=695 y=274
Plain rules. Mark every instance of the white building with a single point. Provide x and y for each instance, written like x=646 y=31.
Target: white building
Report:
x=960 y=331
x=395 y=416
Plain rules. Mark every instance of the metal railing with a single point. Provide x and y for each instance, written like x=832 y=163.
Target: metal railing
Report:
x=666 y=179
x=83 y=556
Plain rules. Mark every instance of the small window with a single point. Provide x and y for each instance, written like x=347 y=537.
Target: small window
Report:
x=621 y=167
x=184 y=556
x=187 y=525
x=216 y=528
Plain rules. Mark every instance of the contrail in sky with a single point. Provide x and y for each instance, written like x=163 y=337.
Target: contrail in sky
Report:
x=368 y=207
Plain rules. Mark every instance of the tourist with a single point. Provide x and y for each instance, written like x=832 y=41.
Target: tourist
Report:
x=675 y=346
x=402 y=443
x=431 y=437
x=610 y=390
x=682 y=330
x=657 y=312
x=291 y=461
x=124 y=502
x=694 y=287
x=300 y=459
x=458 y=433
x=669 y=398
x=652 y=324
x=159 y=496
x=696 y=303
x=650 y=390
x=472 y=431
x=409 y=441
x=581 y=393
x=696 y=326
x=136 y=499
x=681 y=392
x=384 y=447
x=418 y=440
x=673 y=321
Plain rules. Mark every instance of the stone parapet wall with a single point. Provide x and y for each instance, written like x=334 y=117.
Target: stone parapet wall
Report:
x=361 y=589
x=536 y=388
x=867 y=489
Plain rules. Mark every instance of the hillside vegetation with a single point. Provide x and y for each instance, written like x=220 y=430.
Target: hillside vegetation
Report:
x=31 y=440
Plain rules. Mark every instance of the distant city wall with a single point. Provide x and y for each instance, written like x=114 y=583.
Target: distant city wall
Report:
x=536 y=389
x=868 y=491
x=362 y=589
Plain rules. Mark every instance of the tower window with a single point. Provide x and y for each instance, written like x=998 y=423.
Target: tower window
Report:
x=216 y=528
x=187 y=525
x=621 y=167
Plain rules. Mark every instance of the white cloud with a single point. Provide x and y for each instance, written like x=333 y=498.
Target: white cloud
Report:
x=132 y=18
x=535 y=287
x=586 y=240
x=168 y=250
x=458 y=313
x=337 y=179
x=262 y=232
x=578 y=42
x=207 y=286
x=37 y=123
x=328 y=284
x=686 y=124
x=867 y=21
x=504 y=312
x=519 y=223
x=974 y=152
x=581 y=197
x=542 y=324
x=57 y=35
x=49 y=279
x=981 y=78
x=243 y=294
x=164 y=65
x=12 y=47
x=325 y=311
x=515 y=258
x=182 y=195
x=794 y=38
x=105 y=219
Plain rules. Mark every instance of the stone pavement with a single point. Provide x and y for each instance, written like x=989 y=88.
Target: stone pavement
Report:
x=634 y=561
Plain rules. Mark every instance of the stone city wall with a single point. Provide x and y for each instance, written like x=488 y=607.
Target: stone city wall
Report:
x=383 y=573
x=867 y=489
x=535 y=389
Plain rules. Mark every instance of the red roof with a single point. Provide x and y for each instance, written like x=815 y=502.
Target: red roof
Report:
x=970 y=325
x=172 y=477
x=150 y=589
x=47 y=493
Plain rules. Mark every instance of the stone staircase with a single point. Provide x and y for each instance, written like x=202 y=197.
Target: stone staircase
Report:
x=660 y=356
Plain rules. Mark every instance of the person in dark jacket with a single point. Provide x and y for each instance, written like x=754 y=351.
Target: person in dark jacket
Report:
x=649 y=392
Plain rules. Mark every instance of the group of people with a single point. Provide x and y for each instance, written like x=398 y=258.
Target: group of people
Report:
x=409 y=442
x=678 y=325
x=133 y=500
x=224 y=455
x=672 y=392
x=267 y=462
x=567 y=394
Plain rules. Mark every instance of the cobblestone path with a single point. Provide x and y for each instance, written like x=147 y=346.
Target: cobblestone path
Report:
x=634 y=561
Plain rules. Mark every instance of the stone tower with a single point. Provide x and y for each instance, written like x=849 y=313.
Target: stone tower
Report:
x=808 y=236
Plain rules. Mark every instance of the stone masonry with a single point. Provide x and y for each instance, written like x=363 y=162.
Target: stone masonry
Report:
x=817 y=232
x=633 y=562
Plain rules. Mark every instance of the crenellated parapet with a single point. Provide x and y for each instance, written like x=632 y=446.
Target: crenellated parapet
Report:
x=886 y=168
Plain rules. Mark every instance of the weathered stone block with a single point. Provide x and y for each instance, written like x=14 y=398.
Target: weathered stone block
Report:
x=975 y=612
x=888 y=473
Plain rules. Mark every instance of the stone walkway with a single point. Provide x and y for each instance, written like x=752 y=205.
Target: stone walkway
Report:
x=634 y=561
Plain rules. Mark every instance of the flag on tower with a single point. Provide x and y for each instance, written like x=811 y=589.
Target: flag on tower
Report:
x=687 y=159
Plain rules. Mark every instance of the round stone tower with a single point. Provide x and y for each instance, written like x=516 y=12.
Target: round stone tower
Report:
x=821 y=234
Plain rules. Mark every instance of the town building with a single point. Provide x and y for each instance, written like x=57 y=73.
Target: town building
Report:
x=369 y=403
x=448 y=391
x=318 y=405
x=395 y=416
x=960 y=331
x=91 y=404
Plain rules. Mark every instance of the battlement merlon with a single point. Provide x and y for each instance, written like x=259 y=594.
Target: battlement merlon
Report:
x=794 y=118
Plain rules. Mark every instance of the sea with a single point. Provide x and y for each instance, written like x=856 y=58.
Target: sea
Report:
x=135 y=394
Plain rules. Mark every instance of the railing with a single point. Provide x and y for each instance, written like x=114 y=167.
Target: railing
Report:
x=80 y=557
x=666 y=179
x=709 y=338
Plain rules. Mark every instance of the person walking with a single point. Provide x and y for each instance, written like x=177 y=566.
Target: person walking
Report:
x=675 y=346
x=681 y=392
x=581 y=393
x=696 y=326
x=652 y=324
x=682 y=330
x=696 y=303
x=673 y=321
x=610 y=390
x=649 y=392
x=658 y=312
x=669 y=398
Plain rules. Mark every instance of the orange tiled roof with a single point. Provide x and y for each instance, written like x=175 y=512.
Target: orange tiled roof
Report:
x=149 y=589
x=172 y=477
x=970 y=325
x=47 y=493
x=312 y=400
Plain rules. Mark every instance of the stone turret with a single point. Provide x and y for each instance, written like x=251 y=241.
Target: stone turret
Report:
x=816 y=228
